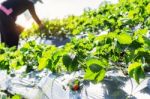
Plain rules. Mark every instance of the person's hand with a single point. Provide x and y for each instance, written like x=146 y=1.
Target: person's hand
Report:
x=42 y=27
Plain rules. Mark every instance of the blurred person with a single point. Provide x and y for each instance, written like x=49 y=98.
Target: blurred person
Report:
x=9 y=10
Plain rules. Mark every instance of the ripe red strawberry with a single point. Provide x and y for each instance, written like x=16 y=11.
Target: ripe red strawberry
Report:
x=75 y=87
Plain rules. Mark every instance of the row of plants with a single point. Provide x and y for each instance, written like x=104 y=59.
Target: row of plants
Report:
x=125 y=15
x=94 y=54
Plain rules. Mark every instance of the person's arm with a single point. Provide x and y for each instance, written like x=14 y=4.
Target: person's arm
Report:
x=34 y=15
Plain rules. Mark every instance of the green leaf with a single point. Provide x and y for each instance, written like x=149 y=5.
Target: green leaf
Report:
x=135 y=70
x=137 y=74
x=102 y=63
x=57 y=54
x=112 y=35
x=43 y=62
x=13 y=63
x=70 y=63
x=94 y=76
x=101 y=75
x=95 y=67
x=132 y=67
x=100 y=38
x=67 y=61
x=2 y=57
x=16 y=63
x=147 y=8
x=17 y=97
x=124 y=38
x=140 y=32
x=26 y=45
x=140 y=39
x=131 y=14
x=89 y=75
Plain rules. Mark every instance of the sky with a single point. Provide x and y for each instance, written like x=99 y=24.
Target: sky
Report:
x=61 y=8
x=52 y=9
